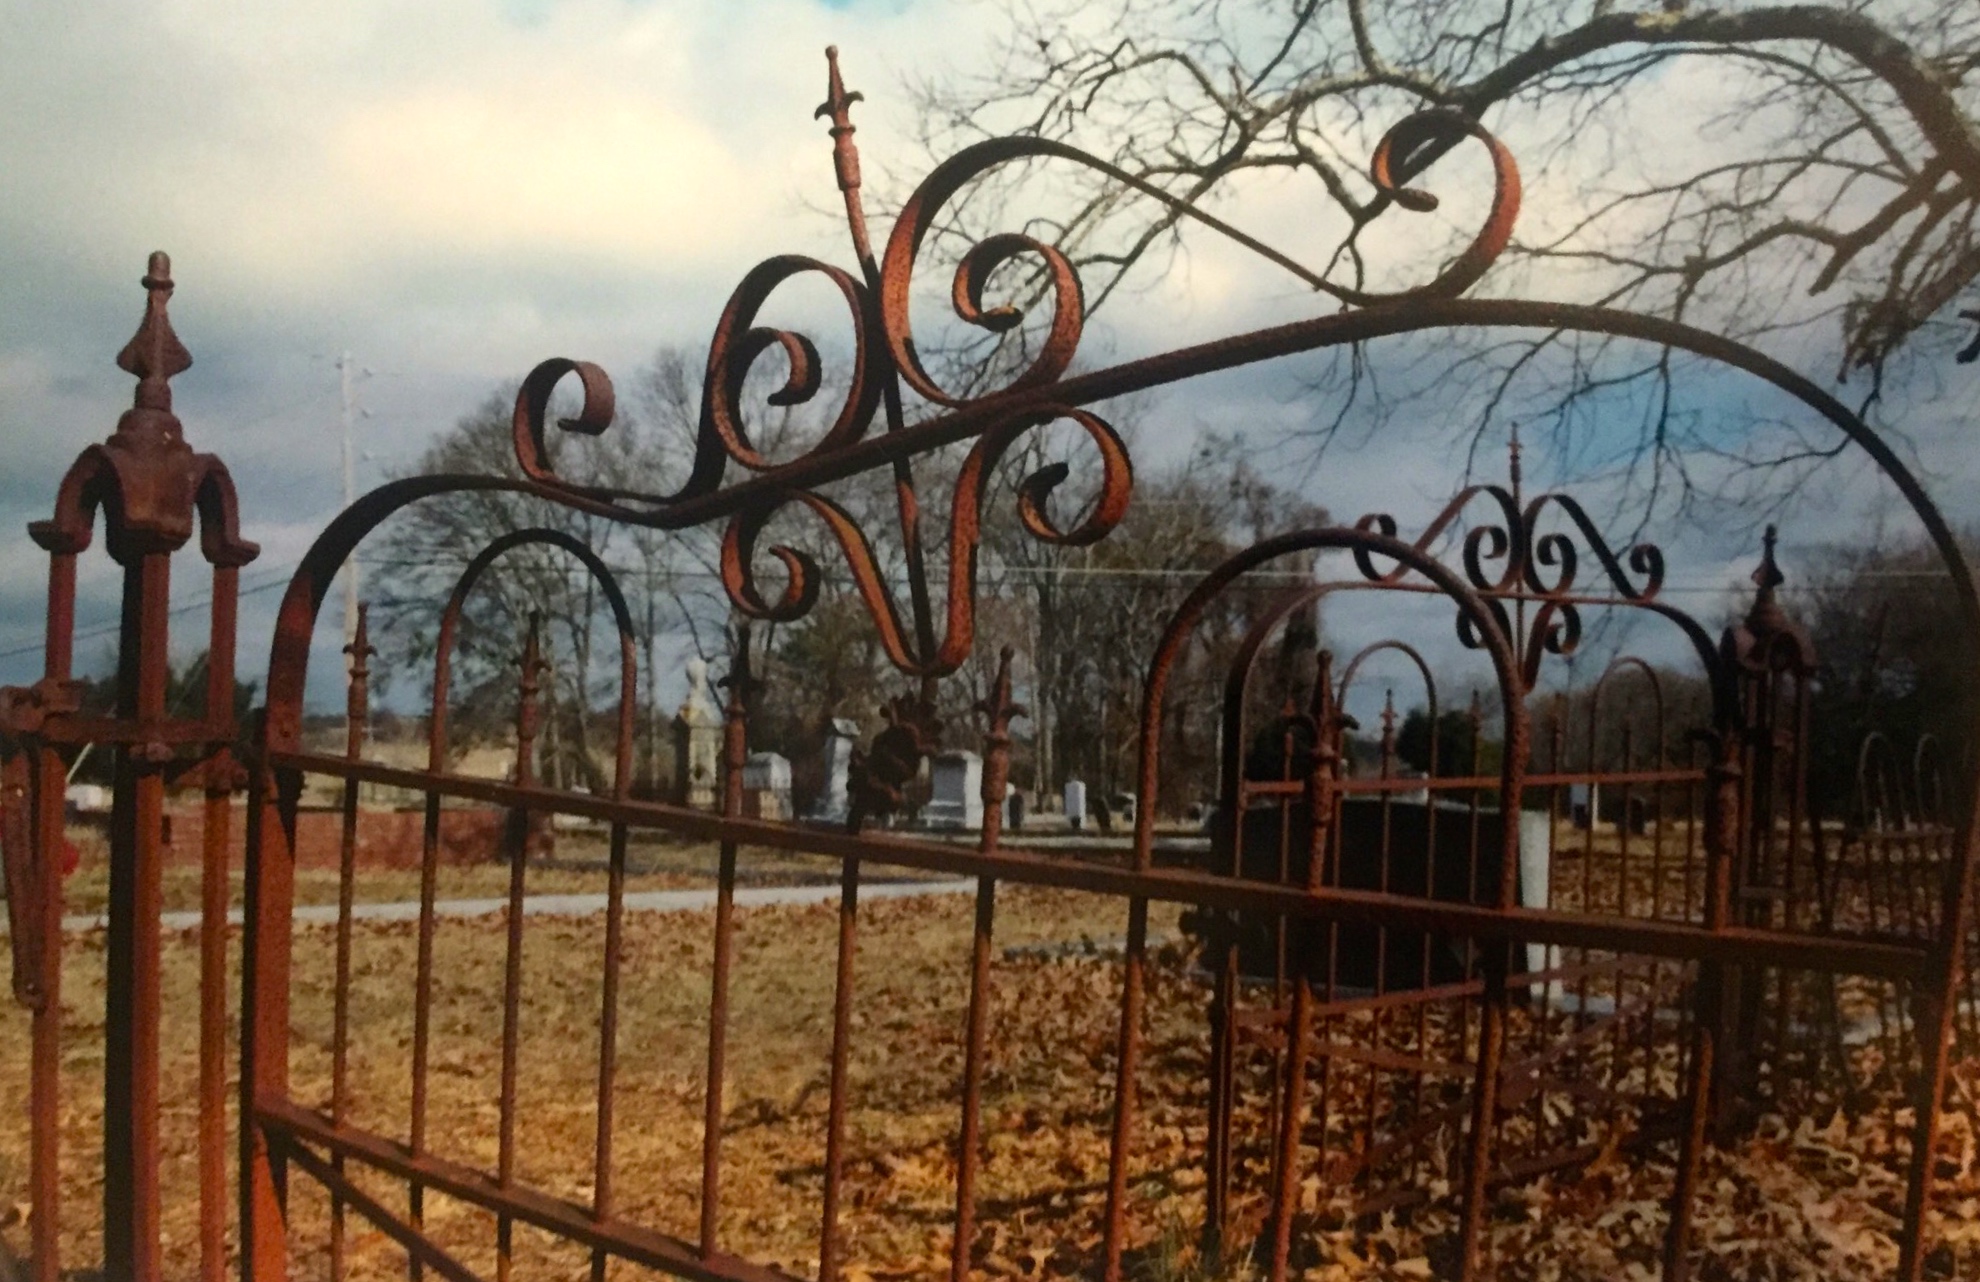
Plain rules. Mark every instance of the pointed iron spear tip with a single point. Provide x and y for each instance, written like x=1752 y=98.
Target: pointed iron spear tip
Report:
x=838 y=102
x=838 y=107
x=155 y=353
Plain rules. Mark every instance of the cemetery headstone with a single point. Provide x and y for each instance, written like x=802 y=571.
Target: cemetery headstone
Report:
x=1075 y=804
x=767 y=786
x=833 y=802
x=697 y=741
x=1536 y=861
x=955 y=791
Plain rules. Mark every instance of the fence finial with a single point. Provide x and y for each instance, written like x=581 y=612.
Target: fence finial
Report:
x=837 y=107
x=155 y=353
x=1766 y=614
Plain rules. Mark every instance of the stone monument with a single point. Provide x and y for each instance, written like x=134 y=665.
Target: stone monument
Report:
x=955 y=791
x=767 y=786
x=1075 y=804
x=1536 y=861
x=697 y=742
x=833 y=802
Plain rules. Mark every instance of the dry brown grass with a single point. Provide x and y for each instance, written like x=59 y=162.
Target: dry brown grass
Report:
x=1811 y=1196
x=652 y=864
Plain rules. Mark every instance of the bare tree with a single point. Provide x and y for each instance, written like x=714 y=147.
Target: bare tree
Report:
x=1887 y=644
x=1832 y=198
x=1089 y=618
x=668 y=578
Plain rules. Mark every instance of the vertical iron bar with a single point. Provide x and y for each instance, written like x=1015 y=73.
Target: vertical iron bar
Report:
x=608 y=1014
x=266 y=961
x=356 y=714
x=1935 y=1038
x=997 y=710
x=1721 y=836
x=45 y=1075
x=526 y=729
x=219 y=771
x=1320 y=795
x=1114 y=1242
x=1492 y=1018
x=132 y=996
x=735 y=755
x=429 y=876
x=835 y=1120
x=1378 y=1018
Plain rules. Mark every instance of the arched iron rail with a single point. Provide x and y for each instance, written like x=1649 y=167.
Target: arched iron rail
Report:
x=1540 y=571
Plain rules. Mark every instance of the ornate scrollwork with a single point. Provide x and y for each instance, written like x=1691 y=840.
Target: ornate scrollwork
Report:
x=739 y=341
x=801 y=571
x=1509 y=560
x=884 y=356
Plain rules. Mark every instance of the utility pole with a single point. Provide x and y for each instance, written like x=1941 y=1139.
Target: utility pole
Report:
x=344 y=372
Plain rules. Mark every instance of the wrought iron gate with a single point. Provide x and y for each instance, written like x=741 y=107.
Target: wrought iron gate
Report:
x=1416 y=1005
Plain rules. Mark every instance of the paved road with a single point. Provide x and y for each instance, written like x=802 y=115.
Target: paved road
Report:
x=662 y=901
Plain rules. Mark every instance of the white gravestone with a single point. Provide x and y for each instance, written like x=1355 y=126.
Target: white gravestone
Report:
x=767 y=786
x=833 y=802
x=1536 y=858
x=1075 y=804
x=1584 y=801
x=697 y=741
x=955 y=791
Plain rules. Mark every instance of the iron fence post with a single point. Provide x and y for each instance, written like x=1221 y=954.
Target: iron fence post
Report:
x=153 y=491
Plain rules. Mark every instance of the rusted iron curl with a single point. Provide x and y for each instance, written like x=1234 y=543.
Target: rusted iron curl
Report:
x=1510 y=560
x=884 y=356
x=801 y=570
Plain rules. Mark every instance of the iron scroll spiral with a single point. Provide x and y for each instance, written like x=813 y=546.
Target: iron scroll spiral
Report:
x=740 y=544
x=1505 y=558
x=918 y=215
x=884 y=355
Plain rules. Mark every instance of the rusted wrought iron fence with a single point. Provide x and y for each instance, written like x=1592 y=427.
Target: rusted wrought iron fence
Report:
x=154 y=494
x=1882 y=861
x=1401 y=978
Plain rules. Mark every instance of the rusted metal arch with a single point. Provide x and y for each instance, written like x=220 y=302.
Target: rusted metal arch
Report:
x=775 y=488
x=1616 y=667
x=288 y=661
x=1182 y=625
x=1237 y=679
x=616 y=874
x=1225 y=1026
x=450 y=616
x=879 y=305
x=1408 y=651
x=1331 y=538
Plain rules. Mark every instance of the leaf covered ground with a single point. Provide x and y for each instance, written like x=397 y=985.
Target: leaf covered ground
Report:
x=1813 y=1193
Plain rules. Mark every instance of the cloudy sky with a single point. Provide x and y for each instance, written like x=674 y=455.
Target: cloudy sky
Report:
x=454 y=190
x=451 y=191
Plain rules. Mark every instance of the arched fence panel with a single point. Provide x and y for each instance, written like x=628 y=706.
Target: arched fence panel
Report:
x=1422 y=956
